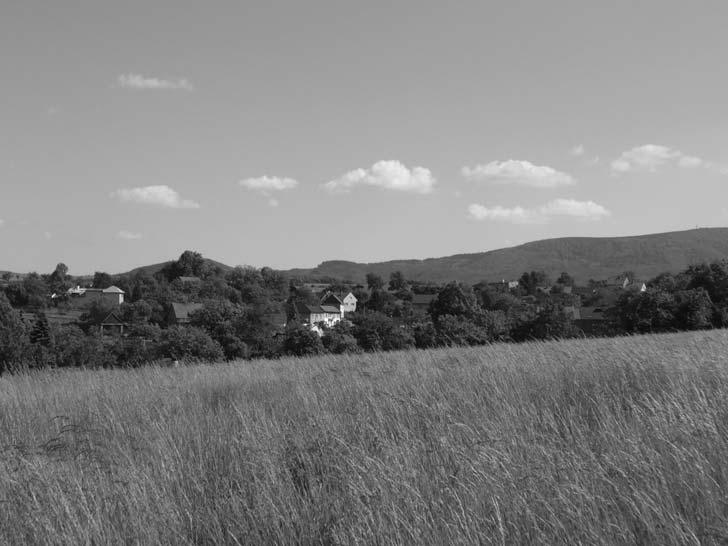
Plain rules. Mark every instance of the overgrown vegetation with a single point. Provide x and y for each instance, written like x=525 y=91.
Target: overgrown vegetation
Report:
x=602 y=441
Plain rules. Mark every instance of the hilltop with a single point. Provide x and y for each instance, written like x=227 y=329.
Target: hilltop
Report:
x=155 y=268
x=583 y=257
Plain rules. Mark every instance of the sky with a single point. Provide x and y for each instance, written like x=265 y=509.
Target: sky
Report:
x=284 y=134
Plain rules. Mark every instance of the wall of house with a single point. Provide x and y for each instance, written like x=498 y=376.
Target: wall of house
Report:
x=349 y=304
x=327 y=318
x=112 y=299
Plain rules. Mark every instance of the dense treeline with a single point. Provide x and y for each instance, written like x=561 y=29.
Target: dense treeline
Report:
x=251 y=313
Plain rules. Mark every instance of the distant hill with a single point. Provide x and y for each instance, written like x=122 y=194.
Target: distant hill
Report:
x=154 y=268
x=583 y=257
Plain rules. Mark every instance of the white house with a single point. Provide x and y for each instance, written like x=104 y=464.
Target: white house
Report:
x=317 y=315
x=346 y=303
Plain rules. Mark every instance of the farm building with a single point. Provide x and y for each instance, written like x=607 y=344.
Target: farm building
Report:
x=179 y=313
x=112 y=324
x=81 y=297
x=422 y=301
x=346 y=301
x=314 y=315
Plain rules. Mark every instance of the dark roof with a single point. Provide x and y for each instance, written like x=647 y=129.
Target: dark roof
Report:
x=332 y=299
x=423 y=299
x=305 y=309
x=112 y=319
x=182 y=311
x=592 y=313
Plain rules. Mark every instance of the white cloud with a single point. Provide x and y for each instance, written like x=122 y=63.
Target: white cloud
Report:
x=650 y=157
x=519 y=172
x=162 y=196
x=2 y=222
x=390 y=175
x=577 y=209
x=690 y=161
x=583 y=210
x=137 y=81
x=266 y=184
x=515 y=215
x=578 y=150
x=128 y=235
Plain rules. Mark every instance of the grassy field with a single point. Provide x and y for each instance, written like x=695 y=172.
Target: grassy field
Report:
x=614 y=441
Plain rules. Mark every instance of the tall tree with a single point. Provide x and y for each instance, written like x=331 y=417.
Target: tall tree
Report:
x=456 y=299
x=374 y=281
x=397 y=281
x=102 y=279
x=14 y=340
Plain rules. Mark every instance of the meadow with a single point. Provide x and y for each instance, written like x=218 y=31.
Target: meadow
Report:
x=602 y=441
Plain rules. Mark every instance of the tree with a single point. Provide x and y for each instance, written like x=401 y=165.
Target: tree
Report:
x=302 y=341
x=694 y=309
x=102 y=280
x=381 y=301
x=565 y=279
x=57 y=279
x=14 y=340
x=73 y=348
x=374 y=281
x=189 y=342
x=397 y=282
x=377 y=332
x=40 y=333
x=456 y=299
x=549 y=322
x=529 y=281
x=338 y=340
x=36 y=291
x=650 y=311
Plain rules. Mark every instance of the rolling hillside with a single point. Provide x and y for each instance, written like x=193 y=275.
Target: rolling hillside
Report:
x=583 y=257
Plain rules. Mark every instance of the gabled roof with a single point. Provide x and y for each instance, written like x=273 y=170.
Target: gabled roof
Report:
x=332 y=299
x=113 y=290
x=182 y=311
x=112 y=319
x=330 y=309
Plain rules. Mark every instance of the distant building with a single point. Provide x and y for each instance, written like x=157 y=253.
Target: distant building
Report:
x=189 y=280
x=112 y=324
x=315 y=315
x=111 y=296
x=423 y=301
x=590 y=320
x=179 y=313
x=346 y=301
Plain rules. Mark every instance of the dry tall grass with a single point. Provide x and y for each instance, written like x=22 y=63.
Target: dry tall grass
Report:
x=615 y=441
